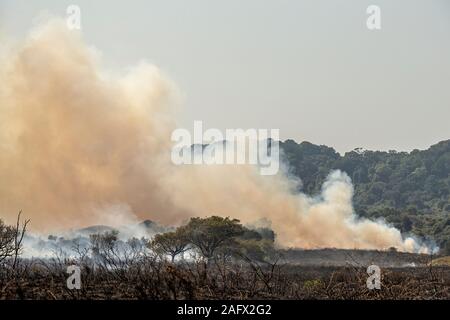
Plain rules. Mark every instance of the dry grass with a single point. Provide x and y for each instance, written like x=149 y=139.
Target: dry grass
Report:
x=443 y=261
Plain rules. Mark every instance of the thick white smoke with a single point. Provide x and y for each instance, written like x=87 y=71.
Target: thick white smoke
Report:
x=76 y=141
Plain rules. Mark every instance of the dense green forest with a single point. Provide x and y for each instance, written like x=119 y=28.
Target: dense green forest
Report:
x=410 y=190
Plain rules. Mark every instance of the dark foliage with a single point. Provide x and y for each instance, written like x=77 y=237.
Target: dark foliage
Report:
x=410 y=190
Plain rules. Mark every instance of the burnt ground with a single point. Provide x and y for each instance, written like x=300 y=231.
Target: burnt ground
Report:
x=302 y=274
x=344 y=257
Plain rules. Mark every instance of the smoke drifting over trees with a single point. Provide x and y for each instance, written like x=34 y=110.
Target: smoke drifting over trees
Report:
x=79 y=145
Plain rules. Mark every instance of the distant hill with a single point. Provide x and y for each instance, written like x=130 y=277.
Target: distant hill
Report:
x=411 y=190
x=93 y=230
x=146 y=228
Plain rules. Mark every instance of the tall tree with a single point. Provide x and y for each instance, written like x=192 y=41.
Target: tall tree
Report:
x=171 y=243
x=208 y=235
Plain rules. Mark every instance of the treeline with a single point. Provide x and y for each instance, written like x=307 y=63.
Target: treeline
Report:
x=410 y=190
x=207 y=240
x=216 y=238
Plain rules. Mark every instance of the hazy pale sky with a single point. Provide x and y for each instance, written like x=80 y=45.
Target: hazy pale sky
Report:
x=310 y=68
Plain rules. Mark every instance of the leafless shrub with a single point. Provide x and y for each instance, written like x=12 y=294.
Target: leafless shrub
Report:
x=11 y=239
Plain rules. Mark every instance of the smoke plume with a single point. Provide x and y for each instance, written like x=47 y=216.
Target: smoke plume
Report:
x=77 y=142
